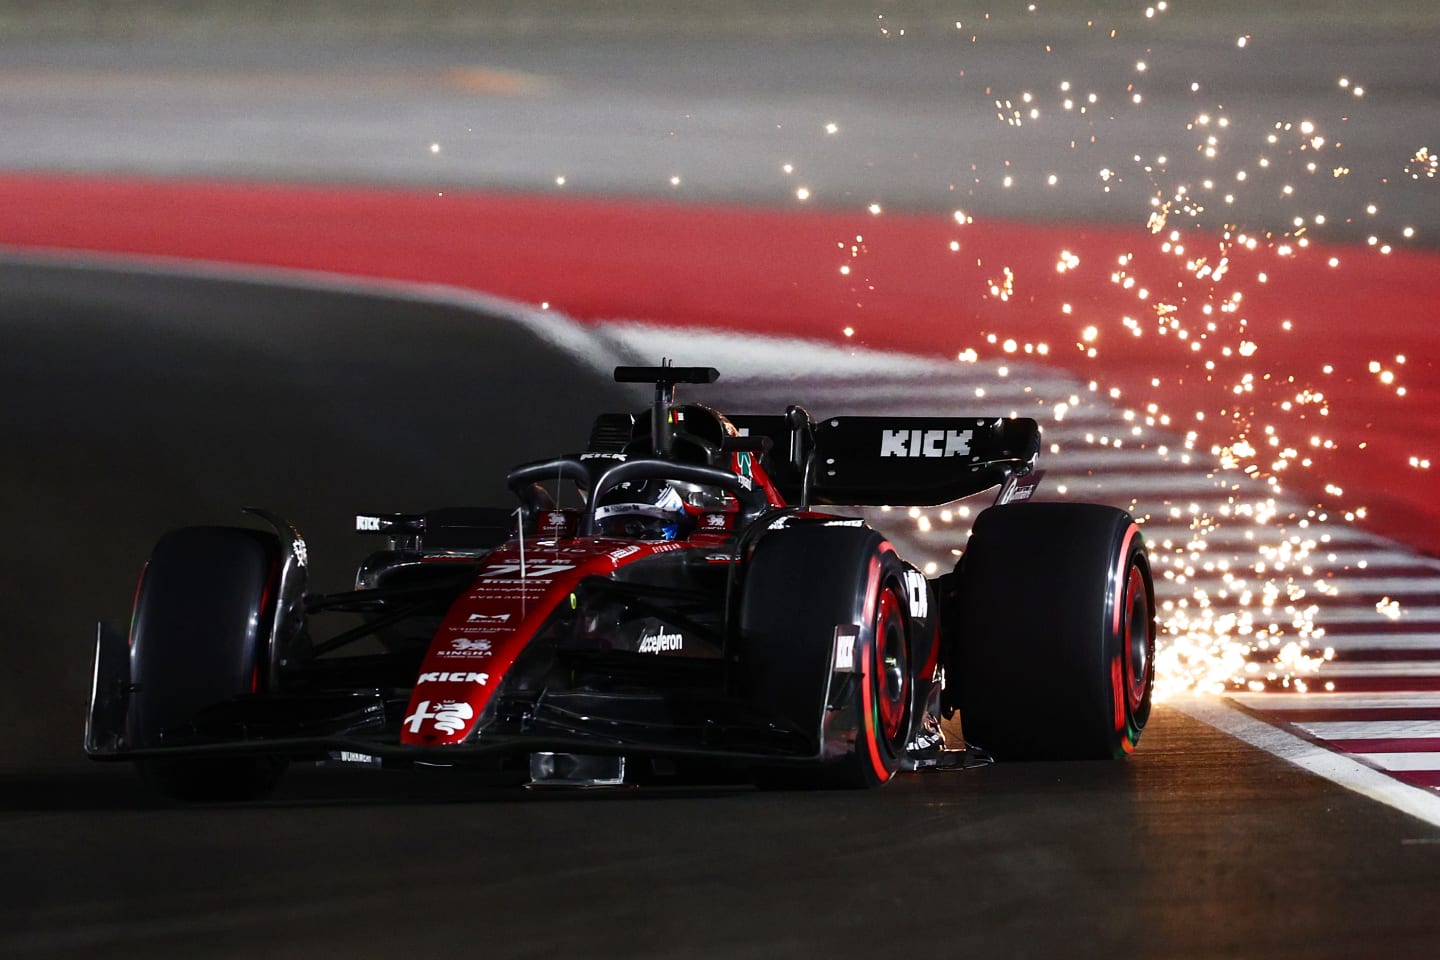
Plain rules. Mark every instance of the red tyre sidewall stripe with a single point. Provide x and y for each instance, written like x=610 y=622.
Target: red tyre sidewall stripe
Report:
x=1119 y=690
x=1121 y=581
x=1119 y=682
x=870 y=720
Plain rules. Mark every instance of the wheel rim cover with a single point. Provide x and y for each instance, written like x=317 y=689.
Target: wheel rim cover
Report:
x=891 y=666
x=1137 y=638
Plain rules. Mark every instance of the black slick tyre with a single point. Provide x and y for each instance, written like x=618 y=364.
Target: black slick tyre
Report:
x=198 y=639
x=1051 y=632
x=802 y=584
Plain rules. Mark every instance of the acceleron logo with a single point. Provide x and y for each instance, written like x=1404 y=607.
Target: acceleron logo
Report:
x=660 y=642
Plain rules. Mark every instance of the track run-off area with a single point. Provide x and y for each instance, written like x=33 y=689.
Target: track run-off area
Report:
x=1292 y=517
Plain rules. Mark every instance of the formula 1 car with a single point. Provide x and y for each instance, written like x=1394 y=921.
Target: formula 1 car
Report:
x=686 y=593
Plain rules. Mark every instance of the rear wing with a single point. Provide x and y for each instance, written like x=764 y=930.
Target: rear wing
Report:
x=899 y=461
x=843 y=461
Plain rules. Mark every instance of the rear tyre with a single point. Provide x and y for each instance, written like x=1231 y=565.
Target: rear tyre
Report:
x=1052 y=633
x=199 y=638
x=803 y=583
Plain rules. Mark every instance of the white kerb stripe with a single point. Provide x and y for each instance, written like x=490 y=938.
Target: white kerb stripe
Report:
x=1385 y=668
x=1379 y=641
x=1372 y=729
x=1428 y=617
x=1403 y=761
x=1280 y=702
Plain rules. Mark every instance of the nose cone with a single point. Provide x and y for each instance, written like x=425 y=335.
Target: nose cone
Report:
x=443 y=707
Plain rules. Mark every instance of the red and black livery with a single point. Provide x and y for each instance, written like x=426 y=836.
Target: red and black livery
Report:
x=689 y=593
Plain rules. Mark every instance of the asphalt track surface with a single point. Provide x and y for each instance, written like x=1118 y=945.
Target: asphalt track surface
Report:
x=1195 y=847
x=146 y=403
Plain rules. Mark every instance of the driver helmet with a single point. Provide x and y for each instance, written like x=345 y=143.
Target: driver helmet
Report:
x=649 y=510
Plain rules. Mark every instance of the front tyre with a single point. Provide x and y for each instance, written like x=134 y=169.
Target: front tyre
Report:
x=1052 y=632
x=804 y=587
x=199 y=639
